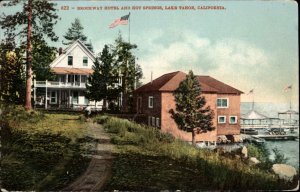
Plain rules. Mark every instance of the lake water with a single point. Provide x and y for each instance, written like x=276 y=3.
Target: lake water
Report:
x=290 y=149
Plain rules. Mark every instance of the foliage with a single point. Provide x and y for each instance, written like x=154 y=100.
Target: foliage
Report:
x=34 y=22
x=75 y=32
x=191 y=112
x=44 y=19
x=37 y=156
x=129 y=71
x=258 y=151
x=147 y=159
x=12 y=74
x=42 y=56
x=103 y=80
x=279 y=157
x=263 y=155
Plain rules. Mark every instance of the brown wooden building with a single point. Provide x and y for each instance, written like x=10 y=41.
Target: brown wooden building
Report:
x=155 y=99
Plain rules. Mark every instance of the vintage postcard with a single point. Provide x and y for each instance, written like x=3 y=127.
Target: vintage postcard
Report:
x=149 y=95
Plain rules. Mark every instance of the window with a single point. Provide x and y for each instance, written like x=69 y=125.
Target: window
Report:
x=157 y=122
x=85 y=61
x=53 y=98
x=150 y=102
x=70 y=60
x=222 y=102
x=233 y=119
x=221 y=119
x=153 y=121
x=83 y=78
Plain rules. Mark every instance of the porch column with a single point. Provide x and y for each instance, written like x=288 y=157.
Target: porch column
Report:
x=34 y=93
x=80 y=80
x=69 y=98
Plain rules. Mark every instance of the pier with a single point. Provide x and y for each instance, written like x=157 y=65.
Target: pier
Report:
x=277 y=137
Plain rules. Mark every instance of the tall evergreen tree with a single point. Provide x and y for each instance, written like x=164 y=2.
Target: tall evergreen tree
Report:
x=42 y=56
x=34 y=21
x=102 y=83
x=129 y=71
x=74 y=33
x=191 y=115
x=12 y=74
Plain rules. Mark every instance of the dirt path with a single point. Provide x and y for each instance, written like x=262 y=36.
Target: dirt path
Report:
x=99 y=168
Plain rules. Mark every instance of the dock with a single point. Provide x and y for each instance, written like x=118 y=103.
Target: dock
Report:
x=277 y=137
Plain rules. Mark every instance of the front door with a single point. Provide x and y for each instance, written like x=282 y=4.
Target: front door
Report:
x=75 y=97
x=64 y=99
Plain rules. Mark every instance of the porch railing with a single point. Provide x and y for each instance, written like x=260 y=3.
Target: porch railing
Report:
x=58 y=84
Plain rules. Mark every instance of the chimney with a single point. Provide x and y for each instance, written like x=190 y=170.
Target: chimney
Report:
x=60 y=51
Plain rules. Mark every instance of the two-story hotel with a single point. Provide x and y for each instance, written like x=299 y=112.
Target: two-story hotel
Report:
x=155 y=99
x=71 y=68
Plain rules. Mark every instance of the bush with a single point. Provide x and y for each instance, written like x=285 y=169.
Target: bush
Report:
x=101 y=119
x=279 y=157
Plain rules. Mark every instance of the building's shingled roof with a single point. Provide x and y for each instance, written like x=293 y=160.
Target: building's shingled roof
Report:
x=170 y=82
x=66 y=70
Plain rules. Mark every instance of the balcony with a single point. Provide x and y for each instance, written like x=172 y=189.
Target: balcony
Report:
x=58 y=84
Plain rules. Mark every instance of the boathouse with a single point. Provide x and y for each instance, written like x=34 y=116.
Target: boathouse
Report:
x=155 y=99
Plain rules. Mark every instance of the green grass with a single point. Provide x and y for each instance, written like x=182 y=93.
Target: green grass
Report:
x=41 y=151
x=147 y=159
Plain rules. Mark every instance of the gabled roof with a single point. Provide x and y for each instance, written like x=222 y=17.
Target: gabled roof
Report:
x=70 y=49
x=170 y=82
x=254 y=115
x=289 y=112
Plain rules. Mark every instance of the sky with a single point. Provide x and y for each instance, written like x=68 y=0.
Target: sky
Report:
x=248 y=44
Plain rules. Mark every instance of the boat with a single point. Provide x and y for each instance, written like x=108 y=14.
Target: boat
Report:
x=249 y=131
x=276 y=131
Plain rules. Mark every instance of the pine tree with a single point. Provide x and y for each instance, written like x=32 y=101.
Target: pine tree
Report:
x=75 y=32
x=34 y=21
x=42 y=56
x=12 y=74
x=129 y=71
x=103 y=79
x=191 y=115
x=94 y=86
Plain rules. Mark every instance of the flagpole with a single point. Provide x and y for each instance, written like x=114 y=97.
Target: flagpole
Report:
x=291 y=99
x=129 y=28
x=252 y=101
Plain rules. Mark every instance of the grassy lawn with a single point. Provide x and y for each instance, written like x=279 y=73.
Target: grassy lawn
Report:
x=41 y=151
x=147 y=159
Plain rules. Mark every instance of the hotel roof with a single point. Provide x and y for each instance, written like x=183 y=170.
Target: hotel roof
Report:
x=170 y=81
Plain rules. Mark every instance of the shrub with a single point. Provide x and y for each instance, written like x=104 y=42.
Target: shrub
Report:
x=279 y=157
x=101 y=119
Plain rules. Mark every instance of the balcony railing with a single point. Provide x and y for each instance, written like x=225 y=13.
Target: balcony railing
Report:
x=57 y=84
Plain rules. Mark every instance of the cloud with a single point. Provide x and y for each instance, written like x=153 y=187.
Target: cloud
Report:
x=223 y=57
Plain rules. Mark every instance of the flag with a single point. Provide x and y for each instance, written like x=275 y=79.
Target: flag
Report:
x=287 y=88
x=250 y=92
x=120 y=21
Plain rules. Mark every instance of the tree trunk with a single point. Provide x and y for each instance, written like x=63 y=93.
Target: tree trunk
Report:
x=29 y=58
x=193 y=137
x=104 y=105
